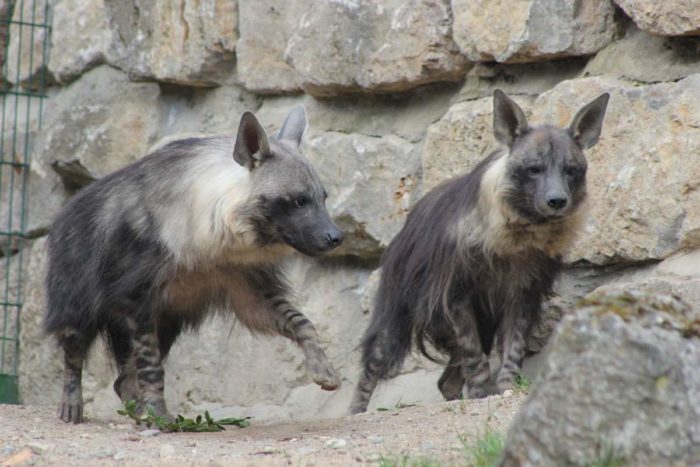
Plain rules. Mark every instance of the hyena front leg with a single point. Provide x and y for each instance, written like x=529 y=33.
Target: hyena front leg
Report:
x=511 y=340
x=476 y=372
x=74 y=352
x=292 y=324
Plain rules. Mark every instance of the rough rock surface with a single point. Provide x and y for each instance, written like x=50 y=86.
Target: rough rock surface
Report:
x=81 y=40
x=183 y=41
x=667 y=18
x=98 y=124
x=620 y=381
x=362 y=45
x=531 y=30
x=640 y=56
x=265 y=27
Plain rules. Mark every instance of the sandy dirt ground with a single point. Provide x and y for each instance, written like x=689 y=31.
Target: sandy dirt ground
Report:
x=403 y=436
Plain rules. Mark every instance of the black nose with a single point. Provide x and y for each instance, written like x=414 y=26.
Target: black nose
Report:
x=557 y=203
x=334 y=238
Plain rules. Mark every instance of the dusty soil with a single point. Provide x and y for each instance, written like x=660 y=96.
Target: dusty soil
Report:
x=33 y=435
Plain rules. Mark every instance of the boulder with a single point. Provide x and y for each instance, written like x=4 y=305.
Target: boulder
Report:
x=188 y=42
x=640 y=56
x=362 y=45
x=96 y=125
x=619 y=384
x=531 y=30
x=265 y=27
x=80 y=41
x=667 y=18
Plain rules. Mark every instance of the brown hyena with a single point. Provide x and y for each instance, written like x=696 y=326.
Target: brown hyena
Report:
x=478 y=255
x=200 y=224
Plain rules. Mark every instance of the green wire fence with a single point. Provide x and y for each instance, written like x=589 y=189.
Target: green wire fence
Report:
x=24 y=33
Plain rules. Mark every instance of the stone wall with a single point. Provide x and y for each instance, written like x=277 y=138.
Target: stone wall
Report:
x=398 y=95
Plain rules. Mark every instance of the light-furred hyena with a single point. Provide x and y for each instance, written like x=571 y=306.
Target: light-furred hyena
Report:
x=478 y=255
x=199 y=225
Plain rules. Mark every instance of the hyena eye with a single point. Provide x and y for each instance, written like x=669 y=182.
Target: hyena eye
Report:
x=534 y=170
x=301 y=201
x=571 y=171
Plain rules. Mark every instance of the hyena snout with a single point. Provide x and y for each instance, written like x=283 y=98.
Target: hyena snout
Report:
x=557 y=201
x=334 y=237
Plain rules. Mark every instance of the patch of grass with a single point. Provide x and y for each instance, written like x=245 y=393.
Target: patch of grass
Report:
x=608 y=458
x=486 y=450
x=199 y=424
x=399 y=405
x=522 y=384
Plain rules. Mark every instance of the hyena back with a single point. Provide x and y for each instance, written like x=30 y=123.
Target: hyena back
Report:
x=199 y=225
x=478 y=255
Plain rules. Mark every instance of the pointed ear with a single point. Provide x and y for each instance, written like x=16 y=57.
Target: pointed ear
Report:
x=294 y=125
x=252 y=145
x=509 y=122
x=588 y=122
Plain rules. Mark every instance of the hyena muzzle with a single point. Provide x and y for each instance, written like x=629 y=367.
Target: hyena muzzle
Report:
x=200 y=224
x=478 y=255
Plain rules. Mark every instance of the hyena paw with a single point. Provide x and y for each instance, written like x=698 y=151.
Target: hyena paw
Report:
x=70 y=410
x=322 y=373
x=127 y=387
x=158 y=409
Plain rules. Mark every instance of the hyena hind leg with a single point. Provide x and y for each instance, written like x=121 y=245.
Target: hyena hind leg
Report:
x=149 y=371
x=376 y=365
x=451 y=381
x=75 y=349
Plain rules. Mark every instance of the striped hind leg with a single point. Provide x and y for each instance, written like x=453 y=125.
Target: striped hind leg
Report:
x=75 y=347
x=376 y=365
x=511 y=340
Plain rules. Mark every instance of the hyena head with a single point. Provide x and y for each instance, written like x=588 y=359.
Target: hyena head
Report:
x=287 y=198
x=545 y=171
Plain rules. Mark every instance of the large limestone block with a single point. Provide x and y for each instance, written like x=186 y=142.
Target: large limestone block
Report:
x=265 y=27
x=375 y=46
x=643 y=185
x=531 y=30
x=81 y=37
x=640 y=56
x=28 y=45
x=181 y=41
x=96 y=125
x=666 y=18
x=371 y=183
x=620 y=381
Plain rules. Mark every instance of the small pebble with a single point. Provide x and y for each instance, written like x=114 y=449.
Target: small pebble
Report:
x=336 y=443
x=119 y=455
x=305 y=450
x=374 y=457
x=427 y=446
x=167 y=450
x=149 y=433
x=376 y=439
x=507 y=393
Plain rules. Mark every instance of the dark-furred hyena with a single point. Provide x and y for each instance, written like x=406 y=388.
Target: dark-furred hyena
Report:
x=478 y=255
x=199 y=225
